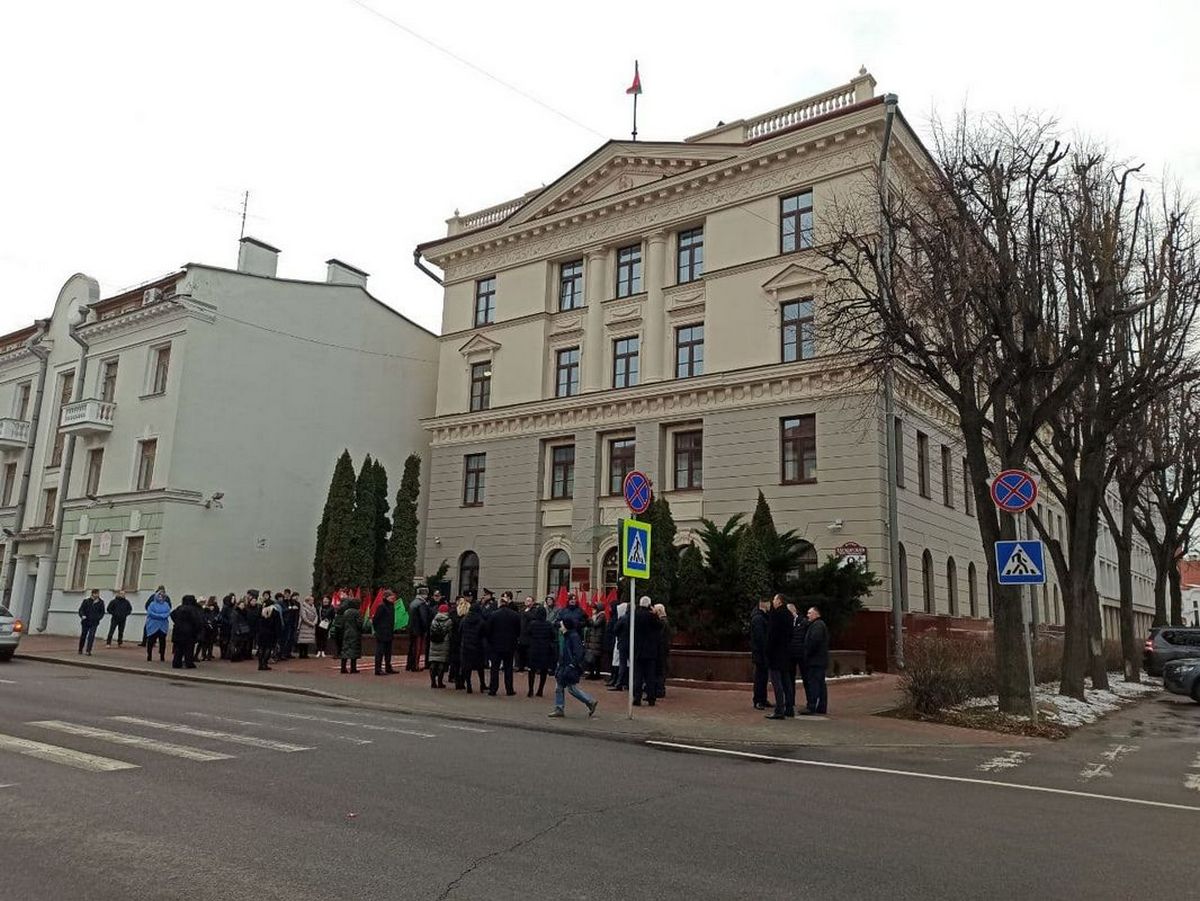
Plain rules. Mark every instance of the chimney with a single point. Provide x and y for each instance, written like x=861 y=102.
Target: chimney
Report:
x=257 y=257
x=339 y=273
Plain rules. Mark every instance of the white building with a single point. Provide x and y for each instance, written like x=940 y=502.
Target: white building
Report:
x=184 y=432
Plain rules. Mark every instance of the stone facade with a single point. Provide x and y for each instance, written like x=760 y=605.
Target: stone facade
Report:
x=540 y=293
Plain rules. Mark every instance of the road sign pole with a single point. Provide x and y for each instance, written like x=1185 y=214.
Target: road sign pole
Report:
x=1026 y=600
x=632 y=620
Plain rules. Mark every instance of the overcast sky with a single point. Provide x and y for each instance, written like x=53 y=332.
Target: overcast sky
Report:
x=132 y=127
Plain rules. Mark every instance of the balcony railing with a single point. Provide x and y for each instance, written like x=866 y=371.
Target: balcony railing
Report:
x=90 y=416
x=13 y=432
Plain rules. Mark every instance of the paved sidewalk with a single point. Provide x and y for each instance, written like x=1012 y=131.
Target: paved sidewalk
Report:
x=685 y=715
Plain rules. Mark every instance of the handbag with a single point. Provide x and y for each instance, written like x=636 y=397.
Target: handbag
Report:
x=324 y=624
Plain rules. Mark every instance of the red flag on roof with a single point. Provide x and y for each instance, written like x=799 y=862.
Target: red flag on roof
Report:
x=636 y=87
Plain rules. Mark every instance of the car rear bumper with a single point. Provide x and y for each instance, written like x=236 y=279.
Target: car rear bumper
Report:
x=1180 y=683
x=10 y=641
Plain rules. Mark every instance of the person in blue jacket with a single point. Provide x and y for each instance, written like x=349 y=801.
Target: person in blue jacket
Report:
x=158 y=615
x=570 y=669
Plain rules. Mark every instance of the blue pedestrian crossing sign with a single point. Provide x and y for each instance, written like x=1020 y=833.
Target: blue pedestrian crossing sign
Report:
x=635 y=549
x=1020 y=562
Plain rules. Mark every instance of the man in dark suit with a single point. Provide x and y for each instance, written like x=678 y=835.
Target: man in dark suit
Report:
x=779 y=637
x=502 y=629
x=758 y=652
x=816 y=662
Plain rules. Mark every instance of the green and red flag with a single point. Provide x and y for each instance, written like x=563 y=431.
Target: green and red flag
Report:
x=636 y=87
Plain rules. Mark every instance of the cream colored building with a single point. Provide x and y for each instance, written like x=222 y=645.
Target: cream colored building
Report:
x=653 y=307
x=188 y=429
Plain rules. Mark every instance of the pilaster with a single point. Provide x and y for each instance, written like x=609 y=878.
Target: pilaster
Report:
x=654 y=316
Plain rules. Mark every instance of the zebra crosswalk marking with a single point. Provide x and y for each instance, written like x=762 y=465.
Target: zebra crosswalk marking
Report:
x=370 y=726
x=137 y=741
x=64 y=756
x=252 y=741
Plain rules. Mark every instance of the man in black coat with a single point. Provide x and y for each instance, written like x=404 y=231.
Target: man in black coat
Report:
x=779 y=639
x=501 y=630
x=383 y=624
x=758 y=652
x=419 y=620
x=188 y=624
x=91 y=611
x=796 y=647
x=119 y=609
x=523 y=638
x=647 y=634
x=816 y=662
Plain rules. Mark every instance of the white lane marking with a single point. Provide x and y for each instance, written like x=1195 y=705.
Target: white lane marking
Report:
x=251 y=740
x=9 y=785
x=137 y=741
x=464 y=728
x=995 y=783
x=1092 y=770
x=1117 y=751
x=7 y=682
x=1112 y=755
x=1009 y=760
x=225 y=719
x=333 y=722
x=65 y=756
x=1192 y=780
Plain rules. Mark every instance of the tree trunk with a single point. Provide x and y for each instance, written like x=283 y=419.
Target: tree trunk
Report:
x=1076 y=655
x=1130 y=650
x=1012 y=674
x=1176 y=594
x=1160 y=589
x=1099 y=671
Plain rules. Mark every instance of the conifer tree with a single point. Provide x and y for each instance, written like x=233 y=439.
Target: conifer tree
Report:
x=362 y=527
x=331 y=562
x=383 y=525
x=401 y=567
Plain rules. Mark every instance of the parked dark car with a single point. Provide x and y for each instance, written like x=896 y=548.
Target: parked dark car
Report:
x=1167 y=643
x=11 y=630
x=1182 y=677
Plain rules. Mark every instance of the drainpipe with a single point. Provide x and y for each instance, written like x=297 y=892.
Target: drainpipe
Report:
x=421 y=265
x=33 y=345
x=889 y=398
x=64 y=476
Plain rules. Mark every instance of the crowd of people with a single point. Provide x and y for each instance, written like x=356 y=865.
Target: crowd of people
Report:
x=472 y=642
x=783 y=644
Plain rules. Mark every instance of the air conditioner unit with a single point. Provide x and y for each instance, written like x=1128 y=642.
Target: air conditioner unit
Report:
x=151 y=295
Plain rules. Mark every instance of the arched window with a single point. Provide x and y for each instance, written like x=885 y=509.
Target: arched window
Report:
x=972 y=590
x=610 y=569
x=927 y=589
x=468 y=574
x=807 y=558
x=903 y=565
x=558 y=572
x=952 y=585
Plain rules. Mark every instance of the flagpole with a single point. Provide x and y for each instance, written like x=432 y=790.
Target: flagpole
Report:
x=635 y=97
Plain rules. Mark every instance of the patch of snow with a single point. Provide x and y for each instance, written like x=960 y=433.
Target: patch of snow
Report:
x=1009 y=760
x=1073 y=713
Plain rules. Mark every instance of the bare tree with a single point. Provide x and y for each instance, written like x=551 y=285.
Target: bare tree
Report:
x=958 y=294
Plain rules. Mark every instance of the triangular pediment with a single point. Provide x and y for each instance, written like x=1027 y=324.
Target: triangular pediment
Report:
x=794 y=277
x=619 y=168
x=479 y=344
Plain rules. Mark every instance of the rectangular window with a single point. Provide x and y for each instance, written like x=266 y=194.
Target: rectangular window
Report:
x=968 y=491
x=10 y=479
x=21 y=409
x=625 y=362
x=796 y=330
x=131 y=572
x=66 y=390
x=689 y=460
x=629 y=270
x=796 y=222
x=162 y=364
x=562 y=471
x=79 y=566
x=145 y=466
x=947 y=476
x=689 y=351
x=690 y=255
x=481 y=385
x=49 y=501
x=570 y=285
x=566 y=372
x=620 y=463
x=474 y=470
x=485 y=301
x=108 y=381
x=798 y=435
x=91 y=479
x=923 y=464
x=898 y=440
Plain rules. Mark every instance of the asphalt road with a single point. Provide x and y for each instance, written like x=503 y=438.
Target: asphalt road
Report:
x=200 y=792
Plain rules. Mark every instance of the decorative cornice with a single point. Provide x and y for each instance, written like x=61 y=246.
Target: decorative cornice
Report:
x=169 y=495
x=479 y=344
x=813 y=160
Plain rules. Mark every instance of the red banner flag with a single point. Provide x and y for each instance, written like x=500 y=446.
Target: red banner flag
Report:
x=561 y=600
x=636 y=87
x=583 y=602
